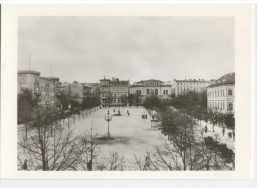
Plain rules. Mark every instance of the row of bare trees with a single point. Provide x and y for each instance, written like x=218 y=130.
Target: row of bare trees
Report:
x=50 y=145
x=186 y=148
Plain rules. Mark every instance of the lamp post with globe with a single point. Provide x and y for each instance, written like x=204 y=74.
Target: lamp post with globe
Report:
x=108 y=118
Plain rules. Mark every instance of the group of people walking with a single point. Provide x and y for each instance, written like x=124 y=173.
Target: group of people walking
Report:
x=114 y=110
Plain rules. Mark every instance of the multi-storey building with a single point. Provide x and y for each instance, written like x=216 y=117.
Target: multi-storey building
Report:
x=74 y=91
x=184 y=86
x=114 y=92
x=221 y=94
x=48 y=87
x=91 y=89
x=28 y=80
x=44 y=89
x=95 y=89
x=146 y=88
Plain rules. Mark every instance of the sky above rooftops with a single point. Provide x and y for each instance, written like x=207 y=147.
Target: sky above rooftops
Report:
x=85 y=49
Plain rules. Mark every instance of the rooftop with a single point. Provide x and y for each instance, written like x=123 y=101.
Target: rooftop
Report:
x=50 y=78
x=225 y=79
x=192 y=80
x=119 y=83
x=28 y=72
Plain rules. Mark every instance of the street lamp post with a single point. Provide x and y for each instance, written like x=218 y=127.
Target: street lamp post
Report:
x=69 y=116
x=108 y=118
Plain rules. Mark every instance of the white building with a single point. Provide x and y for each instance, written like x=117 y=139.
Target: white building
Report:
x=184 y=86
x=221 y=94
x=146 y=88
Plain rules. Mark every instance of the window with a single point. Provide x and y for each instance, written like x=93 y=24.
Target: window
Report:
x=230 y=106
x=147 y=91
x=166 y=91
x=156 y=91
x=230 y=92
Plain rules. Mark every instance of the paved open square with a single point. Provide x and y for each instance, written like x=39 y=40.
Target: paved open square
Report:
x=130 y=135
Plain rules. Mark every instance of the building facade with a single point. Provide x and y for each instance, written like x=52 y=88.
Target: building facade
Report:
x=44 y=89
x=74 y=91
x=146 y=88
x=48 y=90
x=184 y=86
x=221 y=94
x=114 y=92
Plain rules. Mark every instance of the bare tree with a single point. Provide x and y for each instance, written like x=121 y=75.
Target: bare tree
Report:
x=147 y=164
x=184 y=151
x=50 y=146
x=89 y=151
x=115 y=161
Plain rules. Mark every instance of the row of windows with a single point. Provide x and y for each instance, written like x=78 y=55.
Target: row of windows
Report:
x=153 y=83
x=47 y=98
x=44 y=88
x=113 y=95
x=188 y=84
x=152 y=92
x=220 y=105
x=165 y=92
x=219 y=92
x=117 y=101
x=188 y=89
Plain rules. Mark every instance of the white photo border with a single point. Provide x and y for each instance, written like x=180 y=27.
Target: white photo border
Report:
x=243 y=14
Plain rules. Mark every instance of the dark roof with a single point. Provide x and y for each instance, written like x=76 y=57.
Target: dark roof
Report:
x=192 y=80
x=50 y=78
x=151 y=80
x=104 y=79
x=119 y=83
x=53 y=78
x=28 y=72
x=224 y=80
x=143 y=81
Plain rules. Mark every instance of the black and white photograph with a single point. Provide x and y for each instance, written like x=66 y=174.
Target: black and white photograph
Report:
x=126 y=93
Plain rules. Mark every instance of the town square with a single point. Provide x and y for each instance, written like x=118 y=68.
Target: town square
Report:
x=126 y=94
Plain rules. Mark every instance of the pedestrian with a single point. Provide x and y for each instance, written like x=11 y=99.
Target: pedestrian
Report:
x=223 y=131
x=114 y=110
x=229 y=135
x=206 y=129
x=108 y=112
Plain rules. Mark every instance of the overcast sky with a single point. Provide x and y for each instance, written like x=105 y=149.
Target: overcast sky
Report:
x=85 y=49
